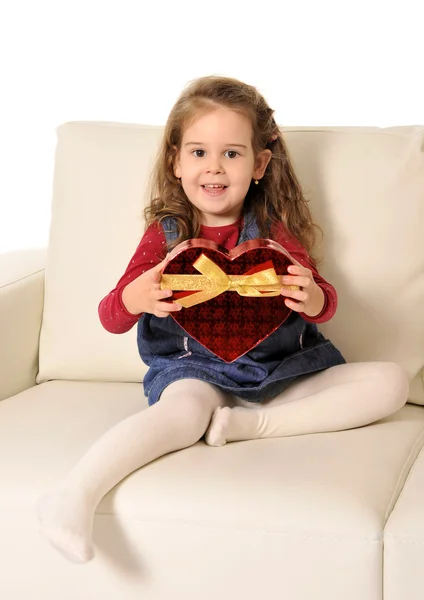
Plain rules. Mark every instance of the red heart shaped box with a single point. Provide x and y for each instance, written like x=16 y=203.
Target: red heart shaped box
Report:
x=230 y=325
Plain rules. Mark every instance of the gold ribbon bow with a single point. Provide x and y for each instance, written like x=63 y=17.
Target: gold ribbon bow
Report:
x=214 y=281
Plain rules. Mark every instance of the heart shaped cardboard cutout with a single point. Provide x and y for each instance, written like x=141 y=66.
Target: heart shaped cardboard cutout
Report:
x=229 y=325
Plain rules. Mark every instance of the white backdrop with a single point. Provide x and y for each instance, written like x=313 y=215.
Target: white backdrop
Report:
x=317 y=63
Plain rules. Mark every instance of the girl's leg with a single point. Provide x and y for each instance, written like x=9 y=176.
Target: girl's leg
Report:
x=177 y=421
x=341 y=397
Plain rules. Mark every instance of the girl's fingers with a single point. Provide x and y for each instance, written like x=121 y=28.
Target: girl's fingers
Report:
x=295 y=294
x=300 y=271
x=168 y=306
x=173 y=306
x=297 y=268
x=296 y=306
x=163 y=311
x=156 y=272
x=160 y=294
x=164 y=262
x=296 y=280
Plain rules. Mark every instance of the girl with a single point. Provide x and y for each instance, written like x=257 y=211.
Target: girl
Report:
x=223 y=173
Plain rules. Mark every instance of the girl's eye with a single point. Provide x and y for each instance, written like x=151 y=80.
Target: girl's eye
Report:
x=201 y=153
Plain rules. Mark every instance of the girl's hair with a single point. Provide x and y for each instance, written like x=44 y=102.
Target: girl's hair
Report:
x=278 y=197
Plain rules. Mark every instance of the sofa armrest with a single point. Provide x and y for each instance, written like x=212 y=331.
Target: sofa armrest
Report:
x=21 y=309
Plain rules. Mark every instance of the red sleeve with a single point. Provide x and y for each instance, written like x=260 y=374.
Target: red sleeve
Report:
x=150 y=252
x=297 y=251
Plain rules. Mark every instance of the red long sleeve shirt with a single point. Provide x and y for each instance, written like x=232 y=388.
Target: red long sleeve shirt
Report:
x=152 y=250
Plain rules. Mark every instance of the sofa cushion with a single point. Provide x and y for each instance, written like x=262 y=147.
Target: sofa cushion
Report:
x=21 y=309
x=404 y=539
x=304 y=514
x=366 y=187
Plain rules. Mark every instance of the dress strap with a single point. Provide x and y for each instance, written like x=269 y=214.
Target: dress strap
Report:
x=169 y=226
x=250 y=229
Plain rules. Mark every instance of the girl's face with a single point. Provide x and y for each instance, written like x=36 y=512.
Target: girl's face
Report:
x=216 y=165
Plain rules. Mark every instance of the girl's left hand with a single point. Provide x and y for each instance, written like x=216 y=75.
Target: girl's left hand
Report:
x=309 y=299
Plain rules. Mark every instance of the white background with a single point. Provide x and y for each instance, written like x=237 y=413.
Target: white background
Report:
x=317 y=62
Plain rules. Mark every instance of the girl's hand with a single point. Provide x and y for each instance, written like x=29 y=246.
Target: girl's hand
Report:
x=310 y=297
x=143 y=295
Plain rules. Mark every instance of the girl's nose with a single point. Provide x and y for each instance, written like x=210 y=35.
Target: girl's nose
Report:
x=214 y=165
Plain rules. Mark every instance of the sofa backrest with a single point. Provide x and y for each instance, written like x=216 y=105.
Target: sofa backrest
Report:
x=366 y=190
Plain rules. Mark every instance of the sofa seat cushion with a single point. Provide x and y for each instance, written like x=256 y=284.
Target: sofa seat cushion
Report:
x=268 y=510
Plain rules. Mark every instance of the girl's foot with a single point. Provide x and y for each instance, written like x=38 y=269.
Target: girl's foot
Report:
x=66 y=522
x=216 y=433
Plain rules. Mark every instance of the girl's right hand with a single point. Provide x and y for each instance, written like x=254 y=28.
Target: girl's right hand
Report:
x=143 y=295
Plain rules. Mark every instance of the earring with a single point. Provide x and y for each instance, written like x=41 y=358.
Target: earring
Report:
x=256 y=182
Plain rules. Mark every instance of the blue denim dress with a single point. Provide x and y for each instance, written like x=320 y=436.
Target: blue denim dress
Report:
x=296 y=348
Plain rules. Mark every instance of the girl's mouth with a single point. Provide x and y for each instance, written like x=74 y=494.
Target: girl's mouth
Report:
x=214 y=190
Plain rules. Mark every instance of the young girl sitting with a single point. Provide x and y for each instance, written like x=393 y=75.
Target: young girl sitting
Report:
x=223 y=173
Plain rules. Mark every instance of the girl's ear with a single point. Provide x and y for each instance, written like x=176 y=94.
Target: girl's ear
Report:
x=176 y=162
x=261 y=163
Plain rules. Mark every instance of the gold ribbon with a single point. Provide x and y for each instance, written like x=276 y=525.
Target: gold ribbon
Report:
x=214 y=281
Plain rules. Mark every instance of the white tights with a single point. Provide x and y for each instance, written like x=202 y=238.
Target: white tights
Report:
x=342 y=397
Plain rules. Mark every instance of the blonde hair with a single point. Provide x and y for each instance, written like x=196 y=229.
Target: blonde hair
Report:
x=278 y=197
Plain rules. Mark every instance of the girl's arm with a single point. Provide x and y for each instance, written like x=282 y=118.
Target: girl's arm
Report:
x=298 y=252
x=113 y=314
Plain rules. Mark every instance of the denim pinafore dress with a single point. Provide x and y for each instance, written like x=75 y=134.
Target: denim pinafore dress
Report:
x=296 y=348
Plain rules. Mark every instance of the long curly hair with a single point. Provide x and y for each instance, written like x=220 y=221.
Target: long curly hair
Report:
x=278 y=197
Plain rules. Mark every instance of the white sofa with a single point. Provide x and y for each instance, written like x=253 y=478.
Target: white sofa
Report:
x=324 y=517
